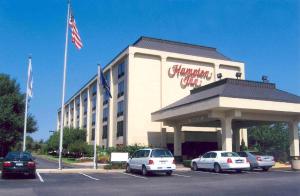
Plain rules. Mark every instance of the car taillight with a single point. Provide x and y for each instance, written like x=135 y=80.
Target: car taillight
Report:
x=258 y=158
x=173 y=161
x=31 y=164
x=229 y=160
x=151 y=162
x=7 y=164
x=247 y=160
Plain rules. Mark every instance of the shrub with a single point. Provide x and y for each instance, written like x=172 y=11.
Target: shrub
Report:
x=116 y=165
x=103 y=158
x=187 y=163
x=130 y=149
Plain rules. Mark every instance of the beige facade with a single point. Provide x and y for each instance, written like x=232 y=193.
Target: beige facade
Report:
x=152 y=79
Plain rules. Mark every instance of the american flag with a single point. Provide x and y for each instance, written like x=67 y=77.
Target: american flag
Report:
x=75 y=35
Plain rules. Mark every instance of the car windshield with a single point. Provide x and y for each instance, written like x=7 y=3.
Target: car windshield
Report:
x=229 y=154
x=12 y=156
x=161 y=153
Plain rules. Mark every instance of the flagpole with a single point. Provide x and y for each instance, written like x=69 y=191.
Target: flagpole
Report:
x=26 y=108
x=63 y=92
x=97 y=113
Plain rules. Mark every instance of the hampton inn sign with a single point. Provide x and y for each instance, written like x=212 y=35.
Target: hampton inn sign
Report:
x=189 y=76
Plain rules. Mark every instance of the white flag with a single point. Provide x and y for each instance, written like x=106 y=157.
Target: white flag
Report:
x=30 y=79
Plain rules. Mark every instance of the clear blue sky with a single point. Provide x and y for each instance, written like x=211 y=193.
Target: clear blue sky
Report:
x=265 y=35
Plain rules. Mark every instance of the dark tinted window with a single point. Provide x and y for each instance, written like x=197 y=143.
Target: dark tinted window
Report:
x=104 y=134
x=121 y=69
x=161 y=153
x=242 y=154
x=206 y=155
x=138 y=154
x=256 y=153
x=213 y=155
x=144 y=153
x=18 y=156
x=135 y=154
x=120 y=129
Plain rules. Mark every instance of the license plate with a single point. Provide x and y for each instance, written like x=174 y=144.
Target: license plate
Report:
x=163 y=162
x=19 y=164
x=239 y=161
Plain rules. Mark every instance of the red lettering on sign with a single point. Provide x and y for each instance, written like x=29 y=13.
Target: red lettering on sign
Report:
x=190 y=77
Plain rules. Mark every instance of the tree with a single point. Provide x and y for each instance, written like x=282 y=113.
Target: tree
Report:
x=12 y=108
x=73 y=139
x=271 y=139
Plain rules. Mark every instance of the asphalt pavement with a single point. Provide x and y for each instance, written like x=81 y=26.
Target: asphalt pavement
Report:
x=49 y=164
x=180 y=183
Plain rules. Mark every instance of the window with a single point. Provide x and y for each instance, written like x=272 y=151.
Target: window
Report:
x=77 y=107
x=213 y=155
x=77 y=102
x=121 y=69
x=120 y=108
x=161 y=153
x=206 y=155
x=136 y=154
x=84 y=102
x=120 y=129
x=84 y=122
x=94 y=103
x=84 y=96
x=94 y=89
x=121 y=88
x=229 y=154
x=94 y=118
x=105 y=94
x=242 y=154
x=105 y=114
x=93 y=134
x=104 y=133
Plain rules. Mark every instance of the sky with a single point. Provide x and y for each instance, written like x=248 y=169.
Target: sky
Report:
x=264 y=34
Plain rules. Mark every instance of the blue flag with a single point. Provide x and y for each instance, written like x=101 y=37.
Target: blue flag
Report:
x=104 y=83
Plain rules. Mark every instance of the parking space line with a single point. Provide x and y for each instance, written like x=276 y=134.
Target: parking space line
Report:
x=181 y=175
x=252 y=172
x=89 y=176
x=40 y=177
x=211 y=173
x=286 y=171
x=135 y=176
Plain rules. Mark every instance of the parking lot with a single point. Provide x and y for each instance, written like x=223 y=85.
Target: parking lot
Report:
x=274 y=182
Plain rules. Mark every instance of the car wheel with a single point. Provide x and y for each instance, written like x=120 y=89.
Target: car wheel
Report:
x=217 y=168
x=169 y=173
x=194 y=167
x=128 y=169
x=266 y=168
x=144 y=171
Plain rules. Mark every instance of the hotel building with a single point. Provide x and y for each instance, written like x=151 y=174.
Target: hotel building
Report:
x=144 y=79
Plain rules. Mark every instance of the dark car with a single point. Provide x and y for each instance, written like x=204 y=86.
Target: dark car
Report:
x=18 y=163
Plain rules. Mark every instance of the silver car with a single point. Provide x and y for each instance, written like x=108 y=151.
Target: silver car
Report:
x=257 y=160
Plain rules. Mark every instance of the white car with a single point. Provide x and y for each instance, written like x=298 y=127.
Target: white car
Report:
x=219 y=161
x=257 y=160
x=151 y=160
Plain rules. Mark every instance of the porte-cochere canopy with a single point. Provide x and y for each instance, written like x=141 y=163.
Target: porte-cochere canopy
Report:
x=233 y=104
